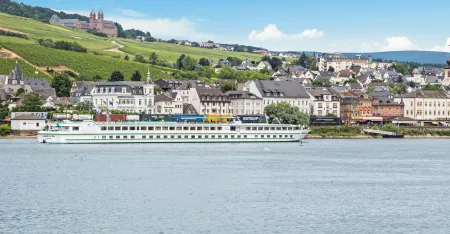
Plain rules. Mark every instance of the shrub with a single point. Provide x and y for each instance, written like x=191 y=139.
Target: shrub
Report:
x=5 y=130
x=375 y=128
x=390 y=128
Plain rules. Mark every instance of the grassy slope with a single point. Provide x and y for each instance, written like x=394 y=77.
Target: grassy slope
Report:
x=89 y=64
x=172 y=52
x=28 y=71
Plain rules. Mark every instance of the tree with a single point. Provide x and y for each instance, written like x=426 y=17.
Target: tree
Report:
x=434 y=87
x=153 y=58
x=139 y=58
x=203 y=62
x=195 y=44
x=20 y=91
x=351 y=81
x=331 y=69
x=227 y=86
x=136 y=76
x=5 y=129
x=312 y=64
x=234 y=61
x=206 y=72
x=286 y=114
x=85 y=106
x=276 y=63
x=179 y=61
x=188 y=63
x=4 y=111
x=126 y=57
x=30 y=103
x=412 y=84
x=321 y=83
x=227 y=72
x=265 y=58
x=62 y=85
x=398 y=89
x=97 y=78
x=265 y=71
x=303 y=60
x=116 y=76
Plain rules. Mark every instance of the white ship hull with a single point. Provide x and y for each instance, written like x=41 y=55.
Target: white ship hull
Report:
x=89 y=132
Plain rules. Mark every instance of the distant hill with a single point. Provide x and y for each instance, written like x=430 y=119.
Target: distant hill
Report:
x=424 y=57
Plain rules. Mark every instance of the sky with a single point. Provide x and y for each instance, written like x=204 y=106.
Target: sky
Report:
x=282 y=25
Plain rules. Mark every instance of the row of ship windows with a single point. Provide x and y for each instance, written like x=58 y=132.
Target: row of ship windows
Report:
x=194 y=136
x=137 y=128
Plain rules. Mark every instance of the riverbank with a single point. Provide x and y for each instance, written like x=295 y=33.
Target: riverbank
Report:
x=18 y=137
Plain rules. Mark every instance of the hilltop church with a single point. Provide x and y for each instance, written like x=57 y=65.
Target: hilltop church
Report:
x=98 y=24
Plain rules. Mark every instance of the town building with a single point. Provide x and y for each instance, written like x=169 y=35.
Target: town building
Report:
x=213 y=101
x=27 y=124
x=426 y=106
x=98 y=24
x=365 y=106
x=340 y=61
x=324 y=102
x=9 y=84
x=245 y=103
x=264 y=64
x=128 y=96
x=168 y=85
x=387 y=108
x=273 y=92
x=169 y=103
x=349 y=109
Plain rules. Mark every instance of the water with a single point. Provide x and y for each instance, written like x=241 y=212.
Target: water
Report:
x=324 y=186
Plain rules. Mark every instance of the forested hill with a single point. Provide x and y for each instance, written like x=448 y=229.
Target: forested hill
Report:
x=38 y=13
x=422 y=57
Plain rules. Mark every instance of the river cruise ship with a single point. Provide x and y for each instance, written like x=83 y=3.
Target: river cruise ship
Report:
x=90 y=132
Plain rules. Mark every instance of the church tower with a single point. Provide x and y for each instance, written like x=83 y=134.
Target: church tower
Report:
x=92 y=19
x=100 y=20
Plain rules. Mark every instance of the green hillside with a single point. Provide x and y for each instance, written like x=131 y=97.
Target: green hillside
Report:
x=103 y=56
x=28 y=70
x=171 y=52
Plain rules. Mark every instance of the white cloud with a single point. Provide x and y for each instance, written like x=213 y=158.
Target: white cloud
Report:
x=165 y=27
x=271 y=32
x=399 y=43
x=390 y=44
x=445 y=48
x=131 y=13
x=159 y=27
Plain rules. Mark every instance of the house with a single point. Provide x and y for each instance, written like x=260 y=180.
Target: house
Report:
x=83 y=89
x=245 y=103
x=426 y=106
x=170 y=103
x=248 y=65
x=128 y=96
x=140 y=38
x=355 y=87
x=190 y=99
x=309 y=75
x=213 y=101
x=273 y=92
x=225 y=63
x=433 y=80
x=264 y=64
x=27 y=124
x=57 y=102
x=365 y=107
x=9 y=84
x=349 y=109
x=387 y=108
x=168 y=85
x=324 y=102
